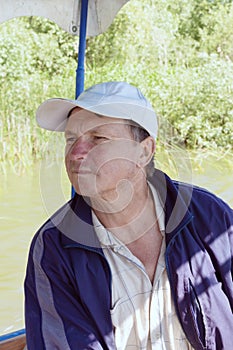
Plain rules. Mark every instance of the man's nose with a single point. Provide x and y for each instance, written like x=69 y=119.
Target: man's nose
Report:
x=79 y=149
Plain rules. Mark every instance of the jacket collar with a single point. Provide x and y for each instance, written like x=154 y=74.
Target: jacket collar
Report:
x=175 y=197
x=76 y=227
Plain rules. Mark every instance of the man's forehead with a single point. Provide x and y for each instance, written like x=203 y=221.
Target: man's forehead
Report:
x=83 y=119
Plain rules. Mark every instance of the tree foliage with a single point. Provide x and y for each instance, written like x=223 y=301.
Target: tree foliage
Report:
x=178 y=52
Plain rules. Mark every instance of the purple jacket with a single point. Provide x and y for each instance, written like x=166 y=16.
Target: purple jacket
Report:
x=68 y=280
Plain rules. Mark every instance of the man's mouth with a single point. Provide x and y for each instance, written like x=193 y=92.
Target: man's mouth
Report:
x=79 y=169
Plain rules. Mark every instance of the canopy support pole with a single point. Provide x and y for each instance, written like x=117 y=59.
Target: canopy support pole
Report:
x=80 y=71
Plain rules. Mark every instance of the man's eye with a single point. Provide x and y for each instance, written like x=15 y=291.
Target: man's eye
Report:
x=70 y=140
x=102 y=138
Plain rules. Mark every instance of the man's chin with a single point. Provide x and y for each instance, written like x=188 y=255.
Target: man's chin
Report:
x=85 y=191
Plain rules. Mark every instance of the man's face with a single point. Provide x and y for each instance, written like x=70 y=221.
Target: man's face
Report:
x=101 y=155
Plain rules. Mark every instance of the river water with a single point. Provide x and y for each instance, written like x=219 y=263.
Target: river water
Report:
x=26 y=200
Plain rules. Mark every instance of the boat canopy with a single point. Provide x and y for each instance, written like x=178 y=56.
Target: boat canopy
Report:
x=65 y=13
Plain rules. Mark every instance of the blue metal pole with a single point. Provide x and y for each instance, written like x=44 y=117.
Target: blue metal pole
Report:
x=82 y=47
x=80 y=71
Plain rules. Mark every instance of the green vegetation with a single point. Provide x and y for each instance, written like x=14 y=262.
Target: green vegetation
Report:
x=179 y=53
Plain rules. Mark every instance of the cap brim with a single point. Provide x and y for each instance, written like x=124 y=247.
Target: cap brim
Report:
x=52 y=114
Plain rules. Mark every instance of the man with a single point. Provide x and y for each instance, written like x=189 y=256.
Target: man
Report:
x=134 y=260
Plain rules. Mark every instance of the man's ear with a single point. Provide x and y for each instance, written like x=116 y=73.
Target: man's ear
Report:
x=148 y=147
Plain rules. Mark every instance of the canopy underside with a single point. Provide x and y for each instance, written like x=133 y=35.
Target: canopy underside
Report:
x=65 y=13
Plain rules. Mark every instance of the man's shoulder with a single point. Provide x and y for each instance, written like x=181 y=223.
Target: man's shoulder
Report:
x=70 y=226
x=202 y=199
x=200 y=192
x=189 y=192
x=50 y=228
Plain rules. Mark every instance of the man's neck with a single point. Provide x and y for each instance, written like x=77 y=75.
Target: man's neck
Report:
x=131 y=215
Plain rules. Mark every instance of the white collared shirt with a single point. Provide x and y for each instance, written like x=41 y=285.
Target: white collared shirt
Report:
x=143 y=315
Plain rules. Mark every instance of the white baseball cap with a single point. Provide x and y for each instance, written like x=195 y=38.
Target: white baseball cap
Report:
x=111 y=99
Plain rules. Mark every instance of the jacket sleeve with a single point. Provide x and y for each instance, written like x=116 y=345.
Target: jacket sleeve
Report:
x=55 y=315
x=218 y=223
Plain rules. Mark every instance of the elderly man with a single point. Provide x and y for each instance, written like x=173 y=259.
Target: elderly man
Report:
x=134 y=260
